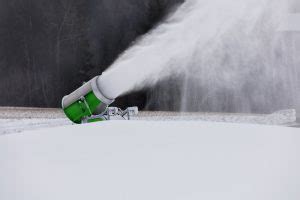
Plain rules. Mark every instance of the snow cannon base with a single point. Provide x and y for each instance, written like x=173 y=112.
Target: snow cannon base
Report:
x=112 y=113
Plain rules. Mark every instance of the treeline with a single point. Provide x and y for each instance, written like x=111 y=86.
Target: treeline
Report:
x=48 y=48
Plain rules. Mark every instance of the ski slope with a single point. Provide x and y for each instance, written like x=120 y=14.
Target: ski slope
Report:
x=181 y=160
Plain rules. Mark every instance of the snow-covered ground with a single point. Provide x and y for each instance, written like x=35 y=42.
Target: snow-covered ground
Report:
x=13 y=120
x=162 y=160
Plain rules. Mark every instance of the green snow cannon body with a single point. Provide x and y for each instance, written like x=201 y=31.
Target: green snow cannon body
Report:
x=86 y=101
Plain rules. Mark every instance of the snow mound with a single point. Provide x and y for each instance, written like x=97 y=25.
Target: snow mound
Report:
x=146 y=160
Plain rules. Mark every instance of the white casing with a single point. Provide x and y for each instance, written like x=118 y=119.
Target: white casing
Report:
x=98 y=92
x=92 y=85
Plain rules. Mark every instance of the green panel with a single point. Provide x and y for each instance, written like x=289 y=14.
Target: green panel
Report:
x=78 y=110
x=95 y=120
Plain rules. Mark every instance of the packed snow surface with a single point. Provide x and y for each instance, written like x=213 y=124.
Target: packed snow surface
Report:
x=14 y=120
x=141 y=160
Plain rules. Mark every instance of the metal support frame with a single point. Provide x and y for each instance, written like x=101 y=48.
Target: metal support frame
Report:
x=113 y=112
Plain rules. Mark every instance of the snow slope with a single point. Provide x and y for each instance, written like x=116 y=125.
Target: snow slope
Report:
x=143 y=160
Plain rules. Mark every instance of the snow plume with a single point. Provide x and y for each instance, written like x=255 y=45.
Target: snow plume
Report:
x=226 y=54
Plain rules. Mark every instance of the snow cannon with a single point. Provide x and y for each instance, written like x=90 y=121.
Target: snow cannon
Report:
x=86 y=101
x=89 y=103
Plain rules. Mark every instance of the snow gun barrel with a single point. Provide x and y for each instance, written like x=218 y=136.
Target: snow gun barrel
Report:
x=85 y=101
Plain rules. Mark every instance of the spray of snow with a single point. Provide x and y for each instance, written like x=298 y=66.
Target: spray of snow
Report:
x=215 y=47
